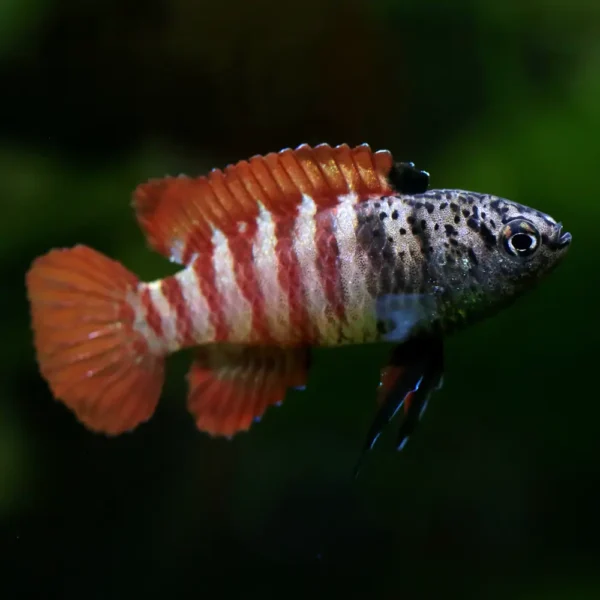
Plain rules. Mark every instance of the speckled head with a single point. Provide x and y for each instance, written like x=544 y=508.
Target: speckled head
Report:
x=494 y=250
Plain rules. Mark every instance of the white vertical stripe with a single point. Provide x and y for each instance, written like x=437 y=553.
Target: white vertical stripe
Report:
x=353 y=271
x=266 y=264
x=168 y=316
x=237 y=310
x=196 y=304
x=140 y=323
x=305 y=248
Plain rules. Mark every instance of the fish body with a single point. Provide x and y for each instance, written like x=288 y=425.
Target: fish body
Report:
x=305 y=248
x=321 y=279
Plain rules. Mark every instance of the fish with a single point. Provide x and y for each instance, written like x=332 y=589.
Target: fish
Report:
x=316 y=246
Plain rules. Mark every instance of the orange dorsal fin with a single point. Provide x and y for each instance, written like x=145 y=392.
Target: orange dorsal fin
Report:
x=230 y=387
x=178 y=214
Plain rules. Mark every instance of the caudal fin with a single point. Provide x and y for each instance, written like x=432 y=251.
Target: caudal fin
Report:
x=88 y=351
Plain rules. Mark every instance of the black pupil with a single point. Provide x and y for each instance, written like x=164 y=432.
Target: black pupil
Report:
x=522 y=242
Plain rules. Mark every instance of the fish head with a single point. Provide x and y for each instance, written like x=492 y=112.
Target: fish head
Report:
x=530 y=243
x=499 y=250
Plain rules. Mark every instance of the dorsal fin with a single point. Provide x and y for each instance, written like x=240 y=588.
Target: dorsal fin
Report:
x=178 y=214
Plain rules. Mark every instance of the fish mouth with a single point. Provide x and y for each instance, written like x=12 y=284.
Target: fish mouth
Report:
x=561 y=238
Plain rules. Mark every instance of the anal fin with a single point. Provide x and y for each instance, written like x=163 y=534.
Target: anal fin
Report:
x=231 y=386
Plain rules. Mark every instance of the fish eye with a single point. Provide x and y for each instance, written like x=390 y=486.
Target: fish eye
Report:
x=520 y=237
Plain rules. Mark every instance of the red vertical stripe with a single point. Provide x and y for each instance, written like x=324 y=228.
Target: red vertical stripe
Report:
x=153 y=318
x=327 y=262
x=194 y=243
x=247 y=279
x=205 y=272
x=172 y=292
x=290 y=279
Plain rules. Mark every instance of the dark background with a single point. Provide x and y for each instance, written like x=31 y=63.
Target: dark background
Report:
x=498 y=494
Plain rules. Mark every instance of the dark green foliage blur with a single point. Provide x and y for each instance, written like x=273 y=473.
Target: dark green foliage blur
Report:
x=497 y=496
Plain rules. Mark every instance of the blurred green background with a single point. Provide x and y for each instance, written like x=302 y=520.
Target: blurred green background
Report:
x=497 y=495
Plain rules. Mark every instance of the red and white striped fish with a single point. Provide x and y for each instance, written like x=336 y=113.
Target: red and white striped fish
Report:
x=301 y=248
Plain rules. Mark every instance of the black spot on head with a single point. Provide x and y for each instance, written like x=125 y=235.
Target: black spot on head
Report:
x=495 y=205
x=423 y=224
x=475 y=212
x=470 y=199
x=492 y=224
x=410 y=220
x=473 y=224
x=436 y=226
x=465 y=213
x=402 y=231
x=453 y=242
x=448 y=195
x=419 y=205
x=462 y=199
x=483 y=216
x=472 y=256
x=415 y=230
x=377 y=205
x=382 y=216
x=505 y=209
x=390 y=239
x=395 y=215
x=450 y=230
x=454 y=207
x=457 y=219
x=437 y=196
x=443 y=205
x=430 y=207
x=487 y=236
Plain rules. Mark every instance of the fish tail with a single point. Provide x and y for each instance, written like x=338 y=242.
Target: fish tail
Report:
x=90 y=341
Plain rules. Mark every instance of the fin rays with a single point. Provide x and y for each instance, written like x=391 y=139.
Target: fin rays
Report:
x=232 y=386
x=178 y=214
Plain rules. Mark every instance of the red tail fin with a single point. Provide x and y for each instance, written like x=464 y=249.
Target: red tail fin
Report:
x=87 y=349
